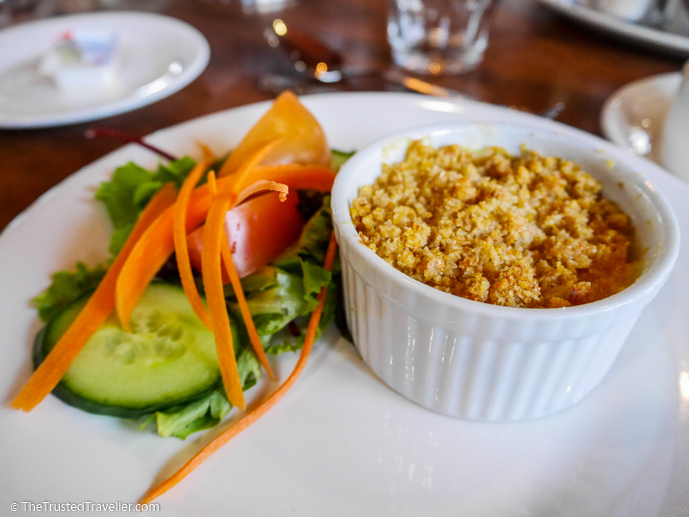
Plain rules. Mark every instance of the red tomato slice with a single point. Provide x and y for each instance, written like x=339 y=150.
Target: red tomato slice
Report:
x=259 y=230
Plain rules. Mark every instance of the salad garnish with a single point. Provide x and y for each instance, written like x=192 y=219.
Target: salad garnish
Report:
x=259 y=411
x=221 y=261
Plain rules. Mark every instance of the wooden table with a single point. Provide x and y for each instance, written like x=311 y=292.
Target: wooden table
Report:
x=535 y=58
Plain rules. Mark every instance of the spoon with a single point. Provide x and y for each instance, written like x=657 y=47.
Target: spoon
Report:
x=309 y=55
x=321 y=63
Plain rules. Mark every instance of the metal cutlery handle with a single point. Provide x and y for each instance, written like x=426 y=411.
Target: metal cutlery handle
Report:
x=419 y=85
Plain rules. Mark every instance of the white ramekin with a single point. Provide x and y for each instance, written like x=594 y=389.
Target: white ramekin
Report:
x=484 y=362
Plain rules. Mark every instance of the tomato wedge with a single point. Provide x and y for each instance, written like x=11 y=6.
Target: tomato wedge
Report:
x=259 y=230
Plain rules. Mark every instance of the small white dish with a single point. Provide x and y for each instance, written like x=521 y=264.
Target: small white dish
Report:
x=158 y=56
x=479 y=361
x=633 y=117
x=647 y=36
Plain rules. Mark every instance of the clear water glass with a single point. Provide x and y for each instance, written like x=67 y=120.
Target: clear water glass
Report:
x=438 y=36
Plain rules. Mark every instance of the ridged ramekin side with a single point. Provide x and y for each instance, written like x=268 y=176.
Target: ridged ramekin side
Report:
x=449 y=369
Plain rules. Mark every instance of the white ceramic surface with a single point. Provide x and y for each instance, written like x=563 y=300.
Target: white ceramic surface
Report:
x=677 y=20
x=630 y=10
x=674 y=141
x=341 y=443
x=159 y=56
x=634 y=116
x=647 y=36
x=479 y=361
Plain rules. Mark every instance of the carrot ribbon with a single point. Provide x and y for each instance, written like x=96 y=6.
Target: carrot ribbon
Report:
x=211 y=259
x=260 y=410
x=179 y=228
x=94 y=313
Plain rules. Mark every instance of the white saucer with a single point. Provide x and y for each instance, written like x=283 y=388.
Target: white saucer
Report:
x=159 y=56
x=647 y=36
x=634 y=115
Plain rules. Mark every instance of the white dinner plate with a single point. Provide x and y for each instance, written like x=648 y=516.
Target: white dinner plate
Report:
x=633 y=116
x=341 y=443
x=650 y=37
x=159 y=56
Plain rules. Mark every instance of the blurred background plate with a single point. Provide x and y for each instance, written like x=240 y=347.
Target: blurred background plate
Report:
x=675 y=44
x=634 y=115
x=159 y=56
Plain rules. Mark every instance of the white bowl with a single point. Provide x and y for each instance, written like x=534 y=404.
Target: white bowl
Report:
x=479 y=361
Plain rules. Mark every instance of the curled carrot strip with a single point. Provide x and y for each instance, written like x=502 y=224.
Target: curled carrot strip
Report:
x=213 y=234
x=262 y=186
x=181 y=247
x=226 y=254
x=94 y=313
x=257 y=156
x=208 y=155
x=244 y=171
x=297 y=177
x=244 y=307
x=213 y=237
x=153 y=250
x=261 y=410
x=213 y=183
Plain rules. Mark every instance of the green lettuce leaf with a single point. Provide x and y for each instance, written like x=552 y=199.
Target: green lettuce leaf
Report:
x=294 y=344
x=208 y=411
x=131 y=188
x=196 y=416
x=315 y=278
x=339 y=158
x=274 y=307
x=260 y=280
x=312 y=243
x=67 y=287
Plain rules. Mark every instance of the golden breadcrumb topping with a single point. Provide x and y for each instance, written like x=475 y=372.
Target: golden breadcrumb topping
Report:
x=520 y=231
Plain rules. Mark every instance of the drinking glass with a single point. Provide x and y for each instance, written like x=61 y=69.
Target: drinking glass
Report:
x=438 y=36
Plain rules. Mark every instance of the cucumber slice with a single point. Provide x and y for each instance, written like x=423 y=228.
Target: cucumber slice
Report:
x=167 y=360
